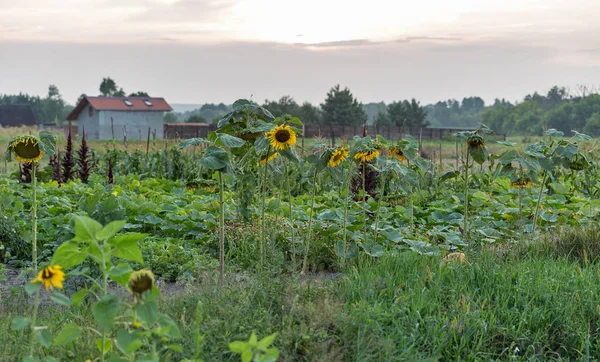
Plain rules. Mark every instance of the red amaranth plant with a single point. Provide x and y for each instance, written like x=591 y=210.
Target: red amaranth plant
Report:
x=111 y=177
x=55 y=164
x=82 y=161
x=68 y=163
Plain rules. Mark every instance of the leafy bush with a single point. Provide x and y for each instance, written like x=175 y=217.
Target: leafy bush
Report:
x=172 y=258
x=12 y=246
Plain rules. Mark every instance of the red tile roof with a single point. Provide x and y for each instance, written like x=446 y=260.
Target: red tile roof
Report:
x=118 y=104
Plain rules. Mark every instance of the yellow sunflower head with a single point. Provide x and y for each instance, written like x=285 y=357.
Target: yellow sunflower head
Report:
x=50 y=276
x=366 y=156
x=140 y=281
x=338 y=156
x=27 y=149
x=397 y=153
x=281 y=137
x=521 y=183
x=263 y=159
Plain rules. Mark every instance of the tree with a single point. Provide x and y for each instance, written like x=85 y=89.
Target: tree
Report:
x=592 y=126
x=196 y=118
x=108 y=87
x=341 y=108
x=309 y=114
x=285 y=105
x=139 y=94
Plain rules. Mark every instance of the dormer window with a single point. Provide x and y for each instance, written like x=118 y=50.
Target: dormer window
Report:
x=128 y=102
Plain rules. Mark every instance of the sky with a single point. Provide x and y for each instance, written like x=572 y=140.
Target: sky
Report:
x=220 y=50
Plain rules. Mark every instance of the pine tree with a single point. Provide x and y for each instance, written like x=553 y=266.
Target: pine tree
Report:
x=82 y=161
x=68 y=163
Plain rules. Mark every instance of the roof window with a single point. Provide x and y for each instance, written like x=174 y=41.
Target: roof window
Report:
x=148 y=103
x=128 y=102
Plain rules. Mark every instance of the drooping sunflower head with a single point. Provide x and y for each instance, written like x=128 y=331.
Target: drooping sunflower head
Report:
x=50 y=277
x=475 y=141
x=263 y=159
x=366 y=156
x=521 y=182
x=397 y=153
x=338 y=156
x=140 y=281
x=281 y=137
x=27 y=149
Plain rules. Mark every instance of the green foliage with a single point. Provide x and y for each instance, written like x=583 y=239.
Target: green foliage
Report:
x=341 y=108
x=255 y=350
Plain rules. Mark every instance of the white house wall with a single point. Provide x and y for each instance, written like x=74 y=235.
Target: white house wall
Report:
x=90 y=124
x=137 y=123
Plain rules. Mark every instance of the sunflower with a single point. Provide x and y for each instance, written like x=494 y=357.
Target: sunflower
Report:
x=263 y=160
x=397 y=152
x=140 y=281
x=338 y=156
x=522 y=182
x=366 y=156
x=50 y=276
x=475 y=141
x=27 y=149
x=281 y=137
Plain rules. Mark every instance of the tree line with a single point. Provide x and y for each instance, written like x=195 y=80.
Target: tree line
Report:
x=558 y=108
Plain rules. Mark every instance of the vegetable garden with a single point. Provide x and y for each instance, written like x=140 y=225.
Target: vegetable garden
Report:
x=267 y=251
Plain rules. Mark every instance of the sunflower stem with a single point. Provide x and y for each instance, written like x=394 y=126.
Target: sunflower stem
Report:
x=34 y=215
x=537 y=205
x=289 y=194
x=347 y=194
x=221 y=231
x=310 y=219
x=262 y=228
x=364 y=200
x=383 y=181
x=466 y=216
x=33 y=320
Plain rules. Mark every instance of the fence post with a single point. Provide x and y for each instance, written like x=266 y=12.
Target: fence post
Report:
x=421 y=141
x=148 y=143
x=112 y=128
x=125 y=136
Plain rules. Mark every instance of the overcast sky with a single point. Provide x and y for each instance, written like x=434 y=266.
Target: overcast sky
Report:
x=220 y=50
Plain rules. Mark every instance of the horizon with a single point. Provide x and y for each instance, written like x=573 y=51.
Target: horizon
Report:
x=198 y=52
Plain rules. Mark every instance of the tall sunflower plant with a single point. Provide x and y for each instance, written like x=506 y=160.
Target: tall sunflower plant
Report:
x=30 y=150
x=280 y=139
x=216 y=158
x=138 y=329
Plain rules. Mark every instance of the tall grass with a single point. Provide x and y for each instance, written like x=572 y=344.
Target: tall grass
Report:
x=524 y=305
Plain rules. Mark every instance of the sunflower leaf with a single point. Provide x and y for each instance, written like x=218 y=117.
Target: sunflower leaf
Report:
x=61 y=299
x=105 y=311
x=48 y=142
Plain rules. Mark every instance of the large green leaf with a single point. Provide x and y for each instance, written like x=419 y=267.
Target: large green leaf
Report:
x=86 y=228
x=111 y=229
x=193 y=142
x=68 y=255
x=125 y=246
x=69 y=333
x=48 y=142
x=128 y=342
x=105 y=311
x=230 y=141
x=44 y=338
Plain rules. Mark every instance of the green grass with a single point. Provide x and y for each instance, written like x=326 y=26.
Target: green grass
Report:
x=399 y=307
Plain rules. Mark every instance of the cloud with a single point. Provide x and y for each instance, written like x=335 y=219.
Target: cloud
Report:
x=367 y=42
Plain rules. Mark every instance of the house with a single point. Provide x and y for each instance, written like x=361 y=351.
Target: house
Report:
x=103 y=118
x=13 y=115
